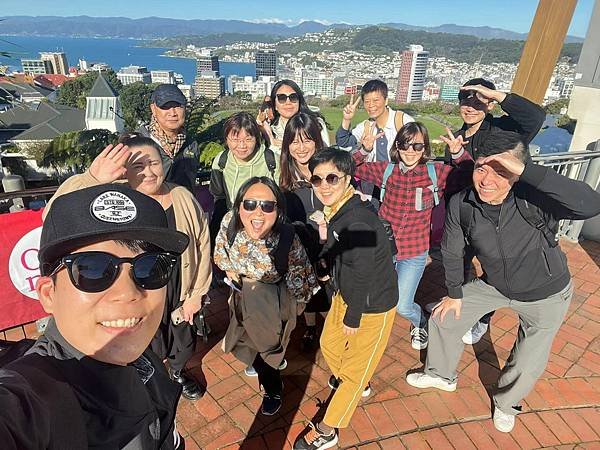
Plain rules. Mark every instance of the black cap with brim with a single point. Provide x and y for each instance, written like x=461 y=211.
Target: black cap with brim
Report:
x=166 y=93
x=102 y=213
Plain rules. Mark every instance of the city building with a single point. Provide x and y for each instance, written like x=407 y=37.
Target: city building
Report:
x=132 y=74
x=187 y=90
x=37 y=66
x=210 y=85
x=58 y=60
x=256 y=89
x=103 y=109
x=411 y=80
x=318 y=84
x=449 y=93
x=266 y=63
x=565 y=85
x=431 y=92
x=162 y=76
x=207 y=61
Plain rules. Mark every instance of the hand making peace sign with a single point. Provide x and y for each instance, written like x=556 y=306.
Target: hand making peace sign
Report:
x=455 y=144
x=350 y=109
x=368 y=138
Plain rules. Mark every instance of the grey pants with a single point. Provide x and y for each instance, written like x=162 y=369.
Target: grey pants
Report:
x=539 y=322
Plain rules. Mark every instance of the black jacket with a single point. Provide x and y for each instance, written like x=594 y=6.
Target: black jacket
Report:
x=55 y=398
x=183 y=168
x=523 y=117
x=515 y=257
x=360 y=260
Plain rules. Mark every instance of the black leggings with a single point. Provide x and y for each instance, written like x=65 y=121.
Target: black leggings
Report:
x=269 y=377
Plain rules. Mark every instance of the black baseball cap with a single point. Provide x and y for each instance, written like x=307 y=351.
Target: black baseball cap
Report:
x=165 y=93
x=103 y=213
x=473 y=82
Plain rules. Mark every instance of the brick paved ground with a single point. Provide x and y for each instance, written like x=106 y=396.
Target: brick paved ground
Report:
x=562 y=412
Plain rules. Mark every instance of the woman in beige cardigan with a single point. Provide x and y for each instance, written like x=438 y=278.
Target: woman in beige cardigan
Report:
x=138 y=159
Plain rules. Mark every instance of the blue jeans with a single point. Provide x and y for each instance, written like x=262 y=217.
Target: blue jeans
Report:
x=410 y=271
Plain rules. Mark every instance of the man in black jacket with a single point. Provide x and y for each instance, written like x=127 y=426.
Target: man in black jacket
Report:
x=478 y=98
x=523 y=269
x=179 y=152
x=106 y=256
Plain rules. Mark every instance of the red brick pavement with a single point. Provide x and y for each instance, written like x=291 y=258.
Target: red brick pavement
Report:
x=563 y=411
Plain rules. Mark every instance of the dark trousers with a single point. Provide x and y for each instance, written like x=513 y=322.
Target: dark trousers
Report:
x=268 y=377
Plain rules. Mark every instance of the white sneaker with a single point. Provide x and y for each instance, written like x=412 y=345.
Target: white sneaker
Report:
x=421 y=380
x=474 y=335
x=419 y=338
x=503 y=422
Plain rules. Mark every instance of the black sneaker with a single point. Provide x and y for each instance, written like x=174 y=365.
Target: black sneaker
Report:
x=190 y=389
x=334 y=383
x=270 y=404
x=315 y=439
x=309 y=340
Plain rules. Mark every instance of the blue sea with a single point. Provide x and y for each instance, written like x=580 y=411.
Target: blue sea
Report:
x=115 y=52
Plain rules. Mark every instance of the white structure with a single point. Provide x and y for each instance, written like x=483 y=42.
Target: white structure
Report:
x=187 y=90
x=411 y=80
x=58 y=61
x=132 y=74
x=162 y=76
x=565 y=86
x=210 y=85
x=83 y=65
x=256 y=89
x=103 y=109
x=318 y=84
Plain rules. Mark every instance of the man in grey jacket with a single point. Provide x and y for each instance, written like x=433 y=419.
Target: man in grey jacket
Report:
x=509 y=217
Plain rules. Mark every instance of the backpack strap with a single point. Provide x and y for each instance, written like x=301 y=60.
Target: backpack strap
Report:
x=398 y=120
x=533 y=215
x=433 y=177
x=386 y=174
x=281 y=253
x=466 y=215
x=270 y=160
x=223 y=159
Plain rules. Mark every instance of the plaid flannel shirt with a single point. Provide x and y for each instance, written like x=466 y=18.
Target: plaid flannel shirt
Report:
x=408 y=212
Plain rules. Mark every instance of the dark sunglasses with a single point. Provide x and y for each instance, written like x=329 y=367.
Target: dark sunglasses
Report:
x=267 y=206
x=97 y=271
x=416 y=146
x=332 y=179
x=293 y=97
x=473 y=98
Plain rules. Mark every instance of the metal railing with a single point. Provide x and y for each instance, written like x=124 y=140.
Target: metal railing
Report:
x=583 y=166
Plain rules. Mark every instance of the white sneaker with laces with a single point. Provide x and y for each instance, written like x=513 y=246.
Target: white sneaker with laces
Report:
x=251 y=372
x=422 y=381
x=503 y=422
x=419 y=338
x=474 y=335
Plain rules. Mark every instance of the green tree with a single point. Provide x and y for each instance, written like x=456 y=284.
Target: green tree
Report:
x=198 y=113
x=209 y=152
x=557 y=106
x=135 y=103
x=73 y=92
x=74 y=150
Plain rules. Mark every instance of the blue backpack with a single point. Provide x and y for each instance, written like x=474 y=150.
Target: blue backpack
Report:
x=430 y=171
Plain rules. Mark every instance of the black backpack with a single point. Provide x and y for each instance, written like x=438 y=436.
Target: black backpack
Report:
x=269 y=160
x=531 y=213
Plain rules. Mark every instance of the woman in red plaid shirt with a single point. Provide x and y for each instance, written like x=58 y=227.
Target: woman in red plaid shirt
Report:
x=407 y=205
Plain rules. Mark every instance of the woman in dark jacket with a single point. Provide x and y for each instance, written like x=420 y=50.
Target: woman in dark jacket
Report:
x=301 y=140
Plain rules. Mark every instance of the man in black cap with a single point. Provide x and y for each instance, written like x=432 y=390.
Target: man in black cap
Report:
x=106 y=255
x=179 y=153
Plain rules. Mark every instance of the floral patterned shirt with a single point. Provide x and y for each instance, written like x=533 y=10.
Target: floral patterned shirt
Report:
x=252 y=258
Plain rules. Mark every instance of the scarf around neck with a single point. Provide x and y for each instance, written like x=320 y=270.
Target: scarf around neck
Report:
x=170 y=146
x=332 y=210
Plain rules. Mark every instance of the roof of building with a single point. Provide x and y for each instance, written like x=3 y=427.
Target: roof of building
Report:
x=41 y=121
x=102 y=88
x=23 y=90
x=50 y=81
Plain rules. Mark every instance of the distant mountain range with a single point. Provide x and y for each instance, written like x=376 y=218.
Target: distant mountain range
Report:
x=156 y=27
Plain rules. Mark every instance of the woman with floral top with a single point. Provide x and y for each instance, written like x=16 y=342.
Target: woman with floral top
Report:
x=266 y=296
x=407 y=205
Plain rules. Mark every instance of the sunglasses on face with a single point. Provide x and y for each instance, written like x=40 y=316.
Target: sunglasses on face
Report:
x=97 y=271
x=473 y=98
x=416 y=146
x=332 y=179
x=293 y=97
x=267 y=206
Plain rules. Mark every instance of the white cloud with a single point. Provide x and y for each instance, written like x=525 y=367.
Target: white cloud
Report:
x=288 y=22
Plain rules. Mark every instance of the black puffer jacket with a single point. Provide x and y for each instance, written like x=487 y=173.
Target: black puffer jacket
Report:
x=515 y=257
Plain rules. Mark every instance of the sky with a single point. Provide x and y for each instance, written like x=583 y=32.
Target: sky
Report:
x=515 y=15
